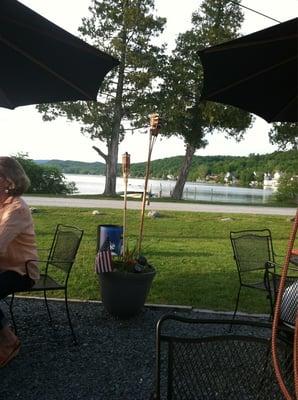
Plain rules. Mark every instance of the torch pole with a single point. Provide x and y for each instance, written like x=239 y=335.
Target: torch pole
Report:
x=145 y=193
x=125 y=172
x=153 y=132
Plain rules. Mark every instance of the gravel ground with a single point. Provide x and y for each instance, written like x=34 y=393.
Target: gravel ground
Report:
x=113 y=361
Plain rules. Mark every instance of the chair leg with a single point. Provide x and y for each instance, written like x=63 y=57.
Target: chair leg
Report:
x=47 y=306
x=271 y=305
x=237 y=303
x=11 y=313
x=236 y=307
x=69 y=319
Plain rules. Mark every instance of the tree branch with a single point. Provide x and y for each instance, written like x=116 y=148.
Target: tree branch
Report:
x=101 y=154
x=132 y=130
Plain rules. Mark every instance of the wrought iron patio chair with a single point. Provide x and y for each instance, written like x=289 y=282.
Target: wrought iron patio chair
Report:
x=57 y=268
x=252 y=250
x=201 y=359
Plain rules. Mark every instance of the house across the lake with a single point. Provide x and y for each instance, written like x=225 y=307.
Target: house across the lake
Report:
x=271 y=181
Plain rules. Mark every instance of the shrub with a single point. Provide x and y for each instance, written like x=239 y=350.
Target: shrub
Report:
x=288 y=189
x=45 y=179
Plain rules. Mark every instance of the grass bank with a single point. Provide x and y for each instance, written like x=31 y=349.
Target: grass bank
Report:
x=191 y=252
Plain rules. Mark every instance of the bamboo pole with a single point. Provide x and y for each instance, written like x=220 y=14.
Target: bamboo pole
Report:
x=153 y=132
x=125 y=173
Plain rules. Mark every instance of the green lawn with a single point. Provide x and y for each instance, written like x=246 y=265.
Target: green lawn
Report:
x=191 y=252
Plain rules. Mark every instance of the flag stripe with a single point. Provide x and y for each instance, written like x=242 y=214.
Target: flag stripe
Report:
x=103 y=260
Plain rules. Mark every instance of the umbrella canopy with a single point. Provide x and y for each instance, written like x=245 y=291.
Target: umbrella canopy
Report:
x=257 y=72
x=42 y=63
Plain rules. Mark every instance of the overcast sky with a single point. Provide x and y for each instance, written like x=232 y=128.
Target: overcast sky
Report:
x=24 y=131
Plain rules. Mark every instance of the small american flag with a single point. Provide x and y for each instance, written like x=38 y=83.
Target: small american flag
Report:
x=103 y=260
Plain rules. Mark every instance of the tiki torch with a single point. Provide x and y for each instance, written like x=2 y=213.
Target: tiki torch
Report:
x=125 y=173
x=153 y=132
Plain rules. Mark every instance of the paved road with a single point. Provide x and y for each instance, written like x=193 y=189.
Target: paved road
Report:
x=135 y=205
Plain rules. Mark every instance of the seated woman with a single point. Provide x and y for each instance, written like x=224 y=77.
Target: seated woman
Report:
x=17 y=246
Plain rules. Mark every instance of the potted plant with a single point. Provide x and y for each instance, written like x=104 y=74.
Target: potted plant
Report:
x=125 y=279
x=125 y=289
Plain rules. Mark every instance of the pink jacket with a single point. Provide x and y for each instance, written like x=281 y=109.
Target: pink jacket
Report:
x=17 y=238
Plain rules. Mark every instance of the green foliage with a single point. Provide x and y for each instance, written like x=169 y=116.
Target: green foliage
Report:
x=285 y=135
x=246 y=176
x=240 y=167
x=191 y=252
x=200 y=172
x=75 y=167
x=131 y=262
x=45 y=179
x=287 y=190
x=183 y=111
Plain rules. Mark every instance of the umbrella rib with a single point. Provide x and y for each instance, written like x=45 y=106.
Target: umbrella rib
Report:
x=224 y=47
x=3 y=96
x=251 y=76
x=285 y=107
x=69 y=83
x=78 y=44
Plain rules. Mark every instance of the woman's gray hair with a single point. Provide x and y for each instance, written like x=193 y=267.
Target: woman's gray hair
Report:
x=12 y=171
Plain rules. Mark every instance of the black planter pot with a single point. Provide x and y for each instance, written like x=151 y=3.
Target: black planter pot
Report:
x=124 y=294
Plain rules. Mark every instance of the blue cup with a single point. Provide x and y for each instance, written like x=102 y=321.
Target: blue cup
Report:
x=115 y=235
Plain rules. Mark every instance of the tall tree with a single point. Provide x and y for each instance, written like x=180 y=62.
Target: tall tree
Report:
x=179 y=98
x=124 y=28
x=285 y=135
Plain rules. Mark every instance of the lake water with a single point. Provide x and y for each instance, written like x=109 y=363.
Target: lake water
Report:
x=94 y=184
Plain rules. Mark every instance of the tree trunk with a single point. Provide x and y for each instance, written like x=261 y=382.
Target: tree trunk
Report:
x=111 y=167
x=113 y=143
x=110 y=160
x=178 y=189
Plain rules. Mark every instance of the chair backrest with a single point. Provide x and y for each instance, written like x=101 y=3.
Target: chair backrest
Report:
x=64 y=247
x=252 y=249
x=215 y=364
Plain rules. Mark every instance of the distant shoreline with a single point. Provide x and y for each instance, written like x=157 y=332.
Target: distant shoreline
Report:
x=215 y=167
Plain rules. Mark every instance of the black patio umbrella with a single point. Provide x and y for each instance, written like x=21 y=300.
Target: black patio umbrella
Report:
x=42 y=63
x=257 y=73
